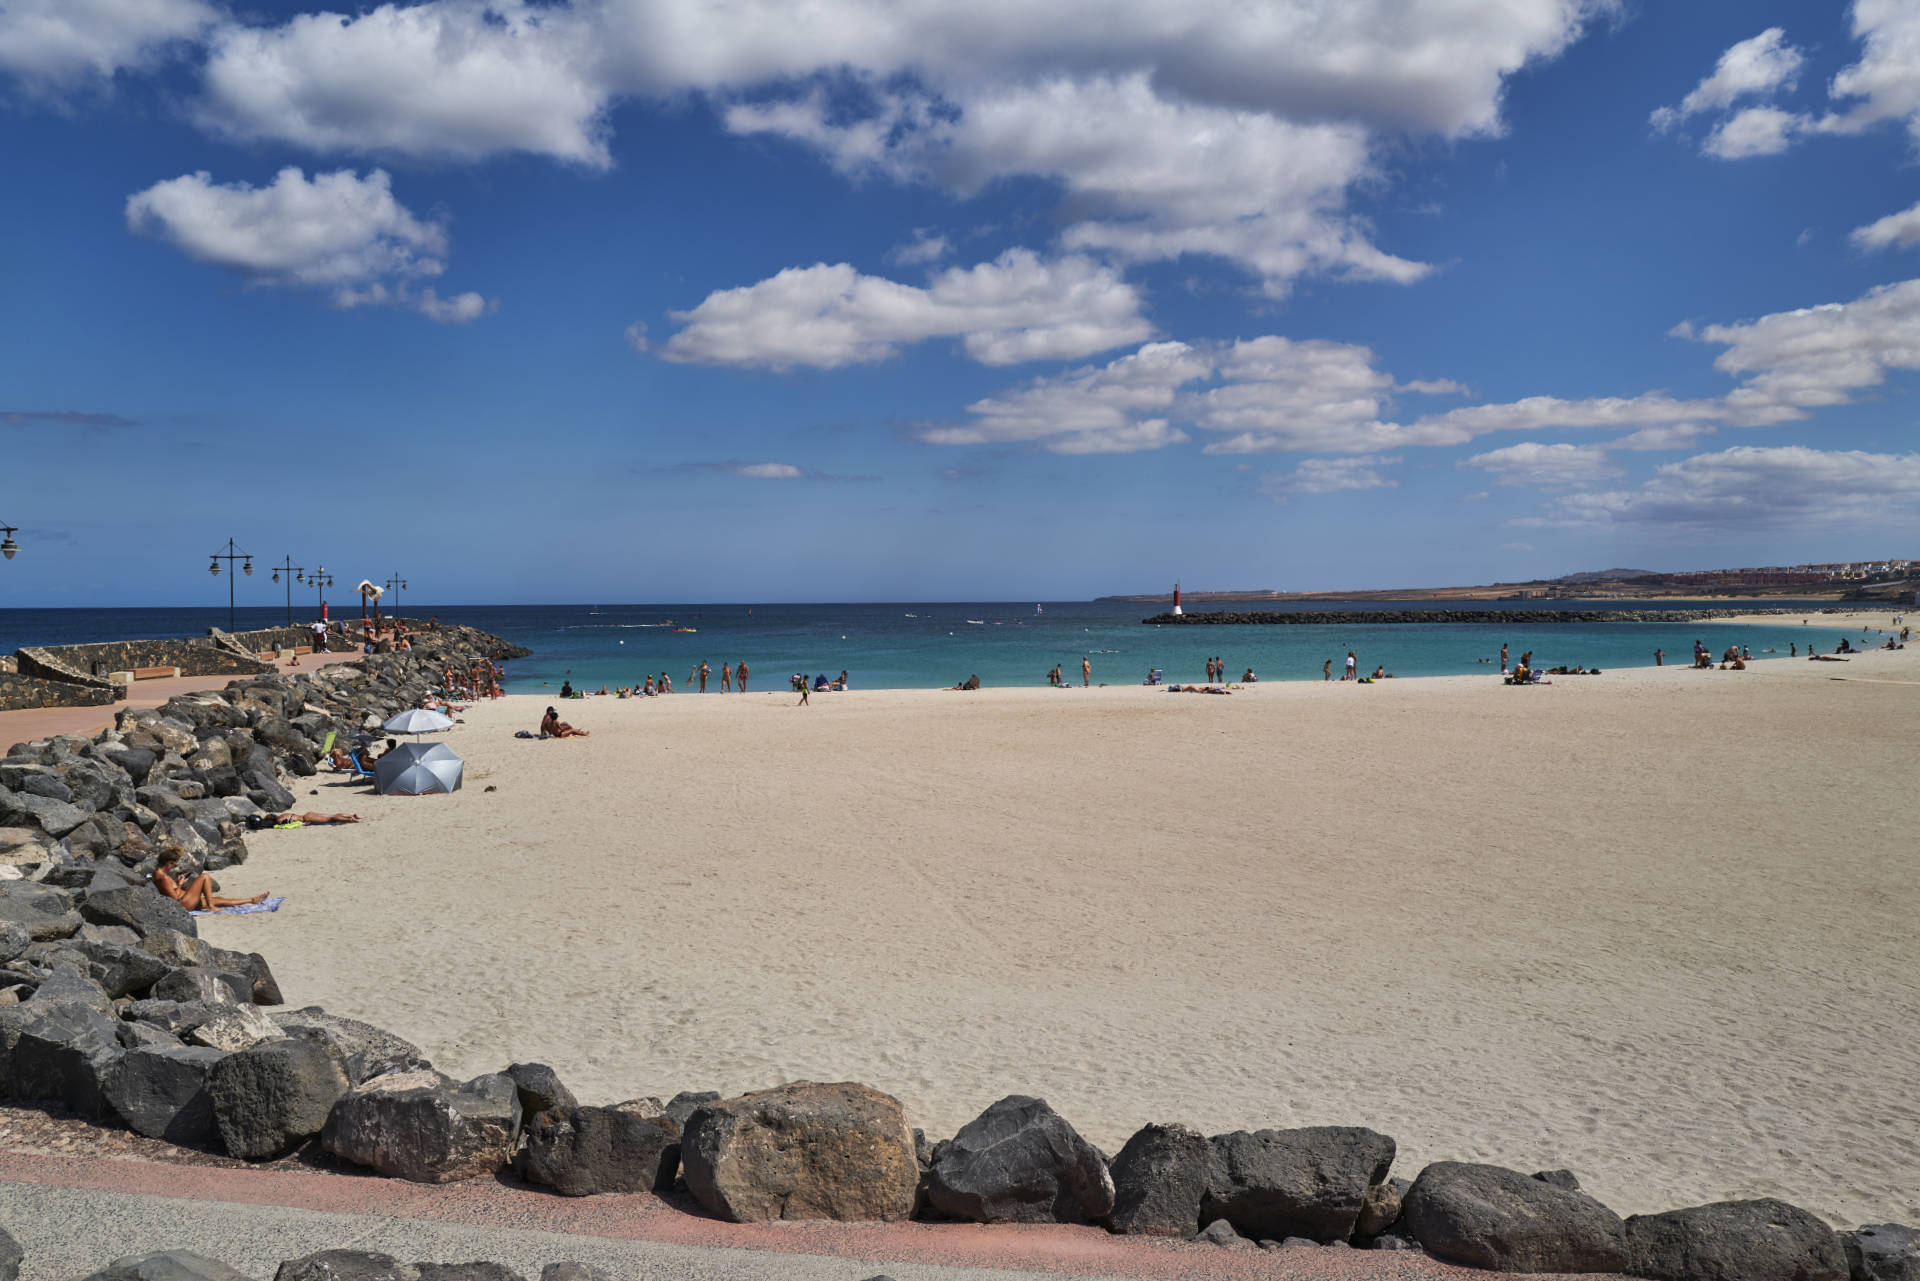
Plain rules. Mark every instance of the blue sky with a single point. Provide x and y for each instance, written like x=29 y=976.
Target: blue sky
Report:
x=893 y=299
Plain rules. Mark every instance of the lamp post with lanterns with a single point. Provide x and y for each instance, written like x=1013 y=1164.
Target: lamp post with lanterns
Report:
x=295 y=574
x=7 y=546
x=396 y=585
x=321 y=580
x=230 y=555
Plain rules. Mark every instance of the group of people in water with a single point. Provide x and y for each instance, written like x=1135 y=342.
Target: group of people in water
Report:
x=731 y=678
x=480 y=680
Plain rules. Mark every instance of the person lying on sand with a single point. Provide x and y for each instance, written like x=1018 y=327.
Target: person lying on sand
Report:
x=551 y=726
x=259 y=822
x=972 y=682
x=197 y=896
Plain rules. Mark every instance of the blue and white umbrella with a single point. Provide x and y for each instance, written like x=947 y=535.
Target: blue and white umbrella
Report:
x=418 y=720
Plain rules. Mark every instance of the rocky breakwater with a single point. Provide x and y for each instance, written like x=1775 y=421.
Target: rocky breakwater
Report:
x=110 y=1003
x=1516 y=617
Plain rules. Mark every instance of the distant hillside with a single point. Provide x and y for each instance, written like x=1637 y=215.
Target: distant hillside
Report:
x=1607 y=575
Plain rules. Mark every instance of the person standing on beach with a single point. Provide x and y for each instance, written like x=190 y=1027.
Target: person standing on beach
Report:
x=743 y=676
x=704 y=669
x=726 y=677
x=1503 y=658
x=1326 y=670
x=1086 y=672
x=1353 y=667
x=1659 y=658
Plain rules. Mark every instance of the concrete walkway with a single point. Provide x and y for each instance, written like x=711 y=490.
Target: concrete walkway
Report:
x=73 y=1215
x=45 y=722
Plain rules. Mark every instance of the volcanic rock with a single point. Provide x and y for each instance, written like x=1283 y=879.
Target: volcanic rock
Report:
x=1159 y=1180
x=1484 y=1216
x=162 y=1093
x=802 y=1151
x=1765 y=1240
x=1310 y=1182
x=583 y=1151
x=415 y=1126
x=273 y=1096
x=1020 y=1162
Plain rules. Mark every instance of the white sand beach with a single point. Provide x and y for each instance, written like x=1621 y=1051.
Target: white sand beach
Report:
x=1657 y=926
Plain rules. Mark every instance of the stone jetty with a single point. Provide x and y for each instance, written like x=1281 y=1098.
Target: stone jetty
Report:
x=113 y=1008
x=1520 y=617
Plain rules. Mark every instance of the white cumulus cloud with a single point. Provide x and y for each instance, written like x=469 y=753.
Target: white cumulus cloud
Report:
x=1757 y=131
x=1017 y=307
x=1794 y=361
x=1214 y=127
x=1152 y=178
x=336 y=231
x=449 y=78
x=1119 y=407
x=1333 y=475
x=1753 y=68
x=54 y=44
x=1879 y=87
x=1557 y=466
x=1883 y=81
x=1896 y=229
x=925 y=247
x=1274 y=394
x=1748 y=488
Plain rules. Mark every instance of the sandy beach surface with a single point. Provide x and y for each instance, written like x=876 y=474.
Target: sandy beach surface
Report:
x=1657 y=926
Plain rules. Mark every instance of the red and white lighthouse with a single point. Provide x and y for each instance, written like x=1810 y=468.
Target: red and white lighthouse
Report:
x=1176 y=600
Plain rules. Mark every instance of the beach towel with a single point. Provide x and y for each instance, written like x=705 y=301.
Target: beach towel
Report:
x=245 y=909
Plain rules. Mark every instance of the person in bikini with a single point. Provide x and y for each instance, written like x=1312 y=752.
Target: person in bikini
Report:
x=553 y=727
x=197 y=895
x=260 y=822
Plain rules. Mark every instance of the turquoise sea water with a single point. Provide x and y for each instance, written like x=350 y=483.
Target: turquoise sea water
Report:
x=921 y=646
x=911 y=645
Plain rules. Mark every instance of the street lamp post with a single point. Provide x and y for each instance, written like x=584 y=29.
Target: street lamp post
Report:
x=396 y=585
x=230 y=555
x=7 y=546
x=321 y=580
x=294 y=574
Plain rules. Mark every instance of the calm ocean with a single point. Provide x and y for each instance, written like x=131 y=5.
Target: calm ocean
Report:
x=910 y=645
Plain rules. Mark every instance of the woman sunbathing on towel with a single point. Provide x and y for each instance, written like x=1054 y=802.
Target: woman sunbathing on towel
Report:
x=553 y=727
x=260 y=822
x=197 y=897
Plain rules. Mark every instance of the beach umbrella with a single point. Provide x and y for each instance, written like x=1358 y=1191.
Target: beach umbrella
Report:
x=416 y=769
x=418 y=720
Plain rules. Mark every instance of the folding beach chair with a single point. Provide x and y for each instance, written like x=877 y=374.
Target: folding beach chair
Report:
x=361 y=771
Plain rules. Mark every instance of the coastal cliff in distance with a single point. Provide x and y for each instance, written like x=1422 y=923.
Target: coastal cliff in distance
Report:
x=1894 y=580
x=1523 y=617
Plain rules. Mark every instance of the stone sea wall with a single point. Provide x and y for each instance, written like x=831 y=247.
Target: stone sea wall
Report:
x=199 y=657
x=1519 y=617
x=19 y=692
x=112 y=1007
x=75 y=675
